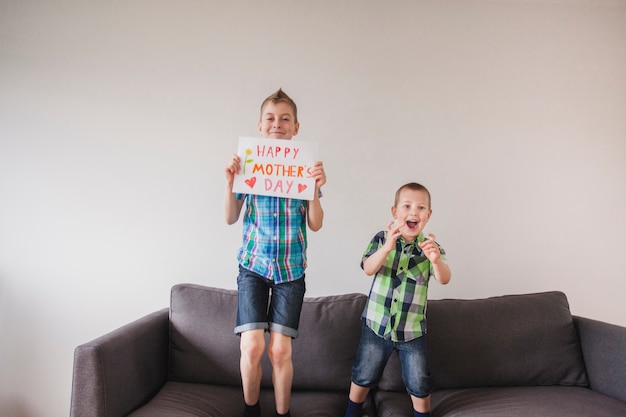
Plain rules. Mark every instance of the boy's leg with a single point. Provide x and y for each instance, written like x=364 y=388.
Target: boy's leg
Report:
x=371 y=357
x=279 y=352
x=284 y=318
x=358 y=394
x=357 y=397
x=252 y=346
x=253 y=296
x=421 y=405
x=414 y=363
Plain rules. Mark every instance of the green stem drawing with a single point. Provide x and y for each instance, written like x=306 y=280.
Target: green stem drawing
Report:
x=246 y=160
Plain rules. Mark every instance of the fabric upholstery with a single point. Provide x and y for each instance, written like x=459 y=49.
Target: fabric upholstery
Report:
x=325 y=350
x=504 y=356
x=122 y=369
x=179 y=399
x=501 y=341
x=604 y=347
x=555 y=401
x=204 y=348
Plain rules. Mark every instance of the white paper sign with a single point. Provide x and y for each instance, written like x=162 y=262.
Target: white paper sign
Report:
x=276 y=167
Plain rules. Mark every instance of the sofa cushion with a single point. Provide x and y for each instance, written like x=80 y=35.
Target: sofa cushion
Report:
x=203 y=346
x=180 y=399
x=323 y=353
x=204 y=349
x=506 y=401
x=513 y=340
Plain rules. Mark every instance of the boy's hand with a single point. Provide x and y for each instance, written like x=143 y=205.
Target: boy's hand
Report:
x=393 y=233
x=319 y=175
x=232 y=168
x=430 y=248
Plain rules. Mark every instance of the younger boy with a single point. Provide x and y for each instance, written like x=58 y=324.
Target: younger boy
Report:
x=402 y=261
x=272 y=261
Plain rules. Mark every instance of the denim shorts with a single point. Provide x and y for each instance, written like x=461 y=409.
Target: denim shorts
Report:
x=374 y=352
x=262 y=304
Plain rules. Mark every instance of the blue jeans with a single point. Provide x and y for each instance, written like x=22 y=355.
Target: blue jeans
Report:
x=257 y=310
x=374 y=352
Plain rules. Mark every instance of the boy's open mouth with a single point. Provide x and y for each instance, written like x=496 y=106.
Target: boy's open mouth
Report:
x=411 y=224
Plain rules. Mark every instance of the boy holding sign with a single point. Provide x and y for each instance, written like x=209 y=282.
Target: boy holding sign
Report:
x=272 y=261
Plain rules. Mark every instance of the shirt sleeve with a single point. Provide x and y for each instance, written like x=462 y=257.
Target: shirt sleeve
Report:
x=375 y=244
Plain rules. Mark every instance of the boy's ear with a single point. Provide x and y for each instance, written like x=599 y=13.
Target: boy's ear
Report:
x=393 y=211
x=430 y=213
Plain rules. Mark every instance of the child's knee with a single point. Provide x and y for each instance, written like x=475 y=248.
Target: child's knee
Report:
x=252 y=345
x=279 y=350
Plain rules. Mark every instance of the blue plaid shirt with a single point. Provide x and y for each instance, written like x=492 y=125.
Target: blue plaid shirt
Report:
x=274 y=237
x=396 y=306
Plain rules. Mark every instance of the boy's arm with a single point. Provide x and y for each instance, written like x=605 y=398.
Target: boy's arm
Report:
x=441 y=270
x=375 y=261
x=232 y=206
x=315 y=213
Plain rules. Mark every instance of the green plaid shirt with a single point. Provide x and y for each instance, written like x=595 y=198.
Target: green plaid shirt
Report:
x=396 y=306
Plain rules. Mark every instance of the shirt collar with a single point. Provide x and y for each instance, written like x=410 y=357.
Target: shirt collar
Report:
x=419 y=239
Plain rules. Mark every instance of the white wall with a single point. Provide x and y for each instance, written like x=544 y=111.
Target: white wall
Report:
x=116 y=119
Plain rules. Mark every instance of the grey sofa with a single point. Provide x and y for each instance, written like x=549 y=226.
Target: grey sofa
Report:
x=512 y=356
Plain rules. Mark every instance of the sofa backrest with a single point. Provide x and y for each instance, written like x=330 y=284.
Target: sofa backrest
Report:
x=323 y=353
x=204 y=349
x=513 y=340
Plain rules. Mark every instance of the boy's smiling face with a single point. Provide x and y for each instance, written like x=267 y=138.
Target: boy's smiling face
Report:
x=412 y=212
x=278 y=121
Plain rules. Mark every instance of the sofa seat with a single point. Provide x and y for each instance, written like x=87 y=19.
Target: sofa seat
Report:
x=183 y=399
x=553 y=401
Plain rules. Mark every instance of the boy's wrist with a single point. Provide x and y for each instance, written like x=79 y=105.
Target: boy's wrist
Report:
x=386 y=249
x=437 y=262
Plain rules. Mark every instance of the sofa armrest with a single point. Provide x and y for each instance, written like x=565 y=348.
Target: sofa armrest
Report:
x=117 y=372
x=603 y=346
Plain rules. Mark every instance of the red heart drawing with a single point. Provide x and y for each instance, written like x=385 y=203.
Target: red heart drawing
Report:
x=251 y=181
x=301 y=187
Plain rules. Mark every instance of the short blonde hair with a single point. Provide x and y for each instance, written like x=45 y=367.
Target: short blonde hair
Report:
x=411 y=186
x=280 y=96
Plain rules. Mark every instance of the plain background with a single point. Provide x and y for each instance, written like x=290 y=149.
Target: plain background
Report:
x=118 y=117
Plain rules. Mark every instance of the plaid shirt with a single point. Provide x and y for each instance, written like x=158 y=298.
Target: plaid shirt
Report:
x=396 y=306
x=274 y=237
